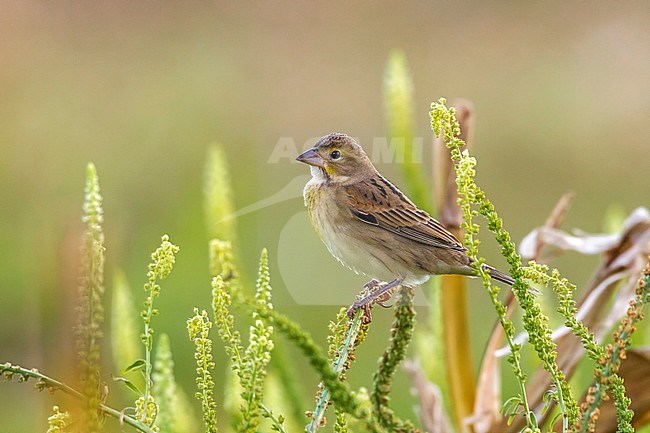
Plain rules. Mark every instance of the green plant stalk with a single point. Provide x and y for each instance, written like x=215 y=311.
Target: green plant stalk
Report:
x=466 y=195
x=337 y=339
x=258 y=351
x=277 y=423
x=91 y=292
x=221 y=301
x=338 y=367
x=607 y=379
x=250 y=414
x=163 y=376
x=339 y=391
x=163 y=259
x=247 y=419
x=125 y=332
x=401 y=335
x=534 y=322
x=223 y=293
x=568 y=309
x=46 y=382
x=198 y=328
x=444 y=124
x=286 y=375
x=249 y=364
x=218 y=202
x=147 y=354
x=340 y=425
x=515 y=349
x=564 y=290
x=622 y=404
x=172 y=415
x=501 y=310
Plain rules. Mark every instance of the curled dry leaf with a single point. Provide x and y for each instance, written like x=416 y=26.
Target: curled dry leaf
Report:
x=603 y=302
x=487 y=406
x=635 y=371
x=541 y=251
x=635 y=228
x=432 y=411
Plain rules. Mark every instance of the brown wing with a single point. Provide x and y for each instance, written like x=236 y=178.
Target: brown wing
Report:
x=378 y=202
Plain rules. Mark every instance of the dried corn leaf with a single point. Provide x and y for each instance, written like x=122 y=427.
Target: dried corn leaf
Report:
x=432 y=410
x=624 y=256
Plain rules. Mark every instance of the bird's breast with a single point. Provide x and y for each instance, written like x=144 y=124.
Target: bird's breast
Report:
x=342 y=234
x=320 y=207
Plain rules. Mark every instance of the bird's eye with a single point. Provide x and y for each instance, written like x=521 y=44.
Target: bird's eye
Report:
x=335 y=154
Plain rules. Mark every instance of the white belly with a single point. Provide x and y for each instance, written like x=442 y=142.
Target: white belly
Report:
x=345 y=242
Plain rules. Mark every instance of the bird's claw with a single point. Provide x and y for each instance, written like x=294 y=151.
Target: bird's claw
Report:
x=382 y=300
x=367 y=299
x=372 y=285
x=365 y=306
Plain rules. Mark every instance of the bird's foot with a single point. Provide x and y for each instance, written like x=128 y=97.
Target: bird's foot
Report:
x=382 y=300
x=374 y=293
x=362 y=304
x=371 y=286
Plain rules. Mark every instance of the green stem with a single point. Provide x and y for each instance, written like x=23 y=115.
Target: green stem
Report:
x=276 y=422
x=47 y=382
x=248 y=422
x=338 y=367
x=401 y=335
x=607 y=378
x=289 y=380
x=444 y=124
x=147 y=349
x=509 y=333
x=339 y=392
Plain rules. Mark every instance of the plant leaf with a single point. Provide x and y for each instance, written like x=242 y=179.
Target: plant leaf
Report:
x=432 y=410
x=604 y=301
x=128 y=383
x=136 y=365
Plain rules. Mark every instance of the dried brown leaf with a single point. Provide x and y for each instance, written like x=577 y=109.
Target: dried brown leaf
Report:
x=487 y=406
x=432 y=410
x=635 y=371
x=624 y=256
x=542 y=253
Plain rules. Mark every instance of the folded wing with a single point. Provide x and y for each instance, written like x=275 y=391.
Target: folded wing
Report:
x=379 y=203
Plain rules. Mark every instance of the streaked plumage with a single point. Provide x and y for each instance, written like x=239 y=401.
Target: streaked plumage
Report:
x=369 y=225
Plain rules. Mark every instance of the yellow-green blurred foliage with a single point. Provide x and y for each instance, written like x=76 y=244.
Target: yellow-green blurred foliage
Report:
x=143 y=90
x=126 y=327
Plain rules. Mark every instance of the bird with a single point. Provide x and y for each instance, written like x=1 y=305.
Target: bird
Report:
x=372 y=227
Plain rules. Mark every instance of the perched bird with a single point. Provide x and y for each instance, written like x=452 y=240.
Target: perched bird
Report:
x=370 y=226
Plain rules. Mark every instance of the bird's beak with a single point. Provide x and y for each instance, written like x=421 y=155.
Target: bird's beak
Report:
x=311 y=157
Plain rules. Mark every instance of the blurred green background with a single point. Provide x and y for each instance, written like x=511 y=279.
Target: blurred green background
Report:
x=143 y=88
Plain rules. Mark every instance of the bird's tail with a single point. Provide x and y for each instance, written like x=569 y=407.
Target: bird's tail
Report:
x=505 y=278
x=498 y=275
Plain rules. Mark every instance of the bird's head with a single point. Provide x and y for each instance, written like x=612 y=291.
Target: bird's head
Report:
x=339 y=158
